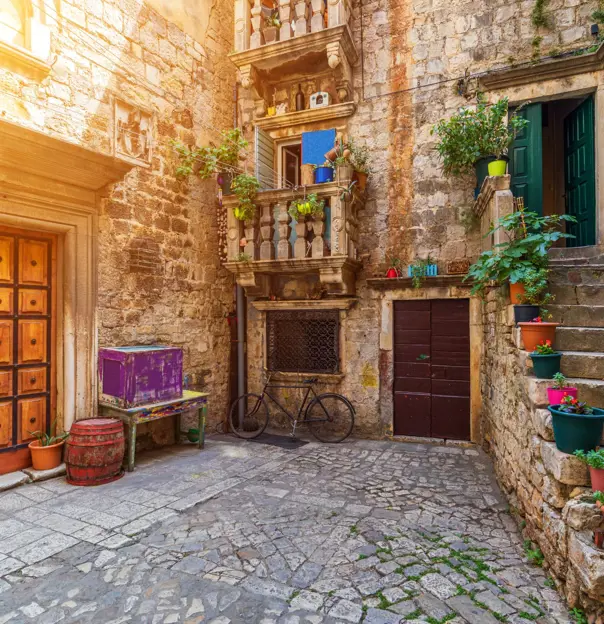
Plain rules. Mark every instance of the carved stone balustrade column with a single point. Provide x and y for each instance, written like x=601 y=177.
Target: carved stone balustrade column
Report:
x=284 y=248
x=300 y=244
x=257 y=38
x=339 y=235
x=318 y=243
x=301 y=10
x=285 y=16
x=242 y=25
x=317 y=21
x=267 y=248
x=338 y=12
x=250 y=229
x=233 y=235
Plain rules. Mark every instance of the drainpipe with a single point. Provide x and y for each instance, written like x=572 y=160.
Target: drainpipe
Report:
x=241 y=381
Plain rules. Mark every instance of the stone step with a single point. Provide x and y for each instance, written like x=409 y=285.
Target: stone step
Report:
x=590 y=390
x=583 y=364
x=580 y=338
x=574 y=256
x=577 y=315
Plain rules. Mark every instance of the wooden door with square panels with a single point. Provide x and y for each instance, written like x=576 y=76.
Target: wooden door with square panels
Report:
x=27 y=262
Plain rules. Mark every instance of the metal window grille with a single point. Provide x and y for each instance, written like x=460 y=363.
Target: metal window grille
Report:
x=305 y=341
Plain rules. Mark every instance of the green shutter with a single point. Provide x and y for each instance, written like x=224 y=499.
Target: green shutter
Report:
x=580 y=173
x=526 y=160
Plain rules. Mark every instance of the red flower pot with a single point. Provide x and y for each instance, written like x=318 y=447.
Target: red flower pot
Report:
x=597 y=479
x=555 y=396
x=392 y=273
x=534 y=334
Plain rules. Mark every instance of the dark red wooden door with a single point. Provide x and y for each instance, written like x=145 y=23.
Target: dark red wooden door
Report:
x=432 y=368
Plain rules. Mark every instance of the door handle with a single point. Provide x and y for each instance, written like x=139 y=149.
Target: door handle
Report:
x=32 y=380
x=33 y=341
x=32 y=420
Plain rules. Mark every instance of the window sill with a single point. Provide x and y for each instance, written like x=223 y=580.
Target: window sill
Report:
x=23 y=61
x=322 y=378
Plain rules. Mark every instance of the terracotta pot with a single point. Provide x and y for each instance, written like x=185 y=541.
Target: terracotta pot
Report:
x=597 y=479
x=598 y=538
x=534 y=334
x=270 y=34
x=46 y=457
x=555 y=395
x=361 y=180
x=516 y=290
x=344 y=174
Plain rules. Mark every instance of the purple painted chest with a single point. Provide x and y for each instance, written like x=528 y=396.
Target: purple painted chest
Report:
x=132 y=376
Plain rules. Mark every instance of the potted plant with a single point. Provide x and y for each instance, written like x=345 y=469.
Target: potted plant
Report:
x=534 y=295
x=341 y=162
x=421 y=269
x=272 y=24
x=360 y=158
x=559 y=390
x=324 y=172
x=394 y=268
x=245 y=187
x=307 y=206
x=576 y=425
x=46 y=450
x=595 y=461
x=546 y=361
x=537 y=332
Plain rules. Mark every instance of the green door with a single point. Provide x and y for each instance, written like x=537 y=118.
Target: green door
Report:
x=526 y=160
x=580 y=174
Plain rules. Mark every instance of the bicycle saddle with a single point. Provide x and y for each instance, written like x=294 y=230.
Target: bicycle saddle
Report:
x=311 y=380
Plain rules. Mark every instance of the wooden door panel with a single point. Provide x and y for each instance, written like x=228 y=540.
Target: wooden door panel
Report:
x=7 y=255
x=412 y=414
x=6 y=383
x=413 y=336
x=30 y=380
x=32 y=417
x=450 y=417
x=6 y=300
x=6 y=342
x=453 y=373
x=412 y=369
x=6 y=419
x=413 y=384
x=33 y=301
x=412 y=353
x=33 y=262
x=32 y=341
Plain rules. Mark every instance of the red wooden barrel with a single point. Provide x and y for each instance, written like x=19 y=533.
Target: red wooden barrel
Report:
x=94 y=451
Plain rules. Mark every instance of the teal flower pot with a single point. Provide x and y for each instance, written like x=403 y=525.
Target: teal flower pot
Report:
x=573 y=432
x=546 y=366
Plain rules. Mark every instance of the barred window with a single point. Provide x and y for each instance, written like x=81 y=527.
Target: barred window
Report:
x=304 y=341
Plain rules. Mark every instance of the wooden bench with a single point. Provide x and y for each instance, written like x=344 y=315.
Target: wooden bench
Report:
x=134 y=416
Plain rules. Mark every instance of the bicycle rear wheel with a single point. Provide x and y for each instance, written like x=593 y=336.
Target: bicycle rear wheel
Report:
x=330 y=417
x=248 y=416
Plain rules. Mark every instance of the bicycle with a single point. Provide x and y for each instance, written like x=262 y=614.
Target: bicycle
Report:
x=329 y=416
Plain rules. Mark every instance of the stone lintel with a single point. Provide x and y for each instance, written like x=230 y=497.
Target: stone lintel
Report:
x=306 y=304
x=308 y=116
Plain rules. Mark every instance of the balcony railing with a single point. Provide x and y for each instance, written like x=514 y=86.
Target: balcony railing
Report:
x=297 y=17
x=275 y=243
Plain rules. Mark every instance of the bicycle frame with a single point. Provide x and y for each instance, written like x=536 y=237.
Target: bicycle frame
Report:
x=308 y=387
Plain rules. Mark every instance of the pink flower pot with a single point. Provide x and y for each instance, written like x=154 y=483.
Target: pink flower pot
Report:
x=555 y=396
x=597 y=479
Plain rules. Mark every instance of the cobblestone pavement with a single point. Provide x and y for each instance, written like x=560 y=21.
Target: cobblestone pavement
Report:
x=244 y=532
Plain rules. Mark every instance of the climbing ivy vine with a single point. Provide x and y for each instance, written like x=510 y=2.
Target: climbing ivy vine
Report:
x=539 y=17
x=598 y=14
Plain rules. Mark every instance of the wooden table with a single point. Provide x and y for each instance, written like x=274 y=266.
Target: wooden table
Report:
x=134 y=416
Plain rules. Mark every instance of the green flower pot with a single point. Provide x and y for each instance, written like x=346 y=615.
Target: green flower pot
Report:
x=546 y=366
x=498 y=167
x=573 y=432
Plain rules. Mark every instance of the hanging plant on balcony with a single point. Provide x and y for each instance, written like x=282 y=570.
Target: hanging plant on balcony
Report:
x=245 y=187
x=303 y=207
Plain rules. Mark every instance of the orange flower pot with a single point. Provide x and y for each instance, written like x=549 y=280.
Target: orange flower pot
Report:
x=534 y=334
x=516 y=291
x=46 y=457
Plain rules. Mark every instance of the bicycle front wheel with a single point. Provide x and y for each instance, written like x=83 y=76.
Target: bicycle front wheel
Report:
x=330 y=417
x=248 y=416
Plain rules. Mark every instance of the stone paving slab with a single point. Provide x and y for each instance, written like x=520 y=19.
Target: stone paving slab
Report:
x=365 y=531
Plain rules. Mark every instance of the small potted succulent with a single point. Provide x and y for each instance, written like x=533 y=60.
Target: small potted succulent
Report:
x=537 y=332
x=394 y=268
x=271 y=27
x=47 y=450
x=559 y=390
x=576 y=425
x=595 y=461
x=546 y=361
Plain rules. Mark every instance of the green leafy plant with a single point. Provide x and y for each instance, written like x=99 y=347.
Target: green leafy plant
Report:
x=245 y=187
x=360 y=157
x=474 y=133
x=534 y=555
x=535 y=287
x=523 y=256
x=560 y=381
x=212 y=158
x=598 y=497
x=243 y=257
x=545 y=348
x=310 y=205
x=598 y=14
x=346 y=193
x=396 y=264
x=578 y=616
x=539 y=17
x=570 y=405
x=419 y=271
x=594 y=459
x=327 y=163
x=273 y=21
x=48 y=440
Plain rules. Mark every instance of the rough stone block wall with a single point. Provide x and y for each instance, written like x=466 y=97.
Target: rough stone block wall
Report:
x=159 y=275
x=546 y=488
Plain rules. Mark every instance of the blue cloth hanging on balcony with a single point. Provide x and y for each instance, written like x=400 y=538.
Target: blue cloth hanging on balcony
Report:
x=315 y=145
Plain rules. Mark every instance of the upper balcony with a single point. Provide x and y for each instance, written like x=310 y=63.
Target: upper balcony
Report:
x=274 y=244
x=312 y=33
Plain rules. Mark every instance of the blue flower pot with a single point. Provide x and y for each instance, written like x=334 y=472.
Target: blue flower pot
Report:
x=323 y=174
x=430 y=270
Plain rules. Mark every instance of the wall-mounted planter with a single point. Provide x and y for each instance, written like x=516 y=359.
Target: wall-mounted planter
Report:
x=573 y=432
x=534 y=334
x=546 y=366
x=430 y=270
x=323 y=174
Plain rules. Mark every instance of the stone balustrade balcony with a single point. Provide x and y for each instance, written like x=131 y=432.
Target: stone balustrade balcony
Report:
x=274 y=244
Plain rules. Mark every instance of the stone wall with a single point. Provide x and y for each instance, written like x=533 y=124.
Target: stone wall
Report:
x=546 y=488
x=122 y=61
